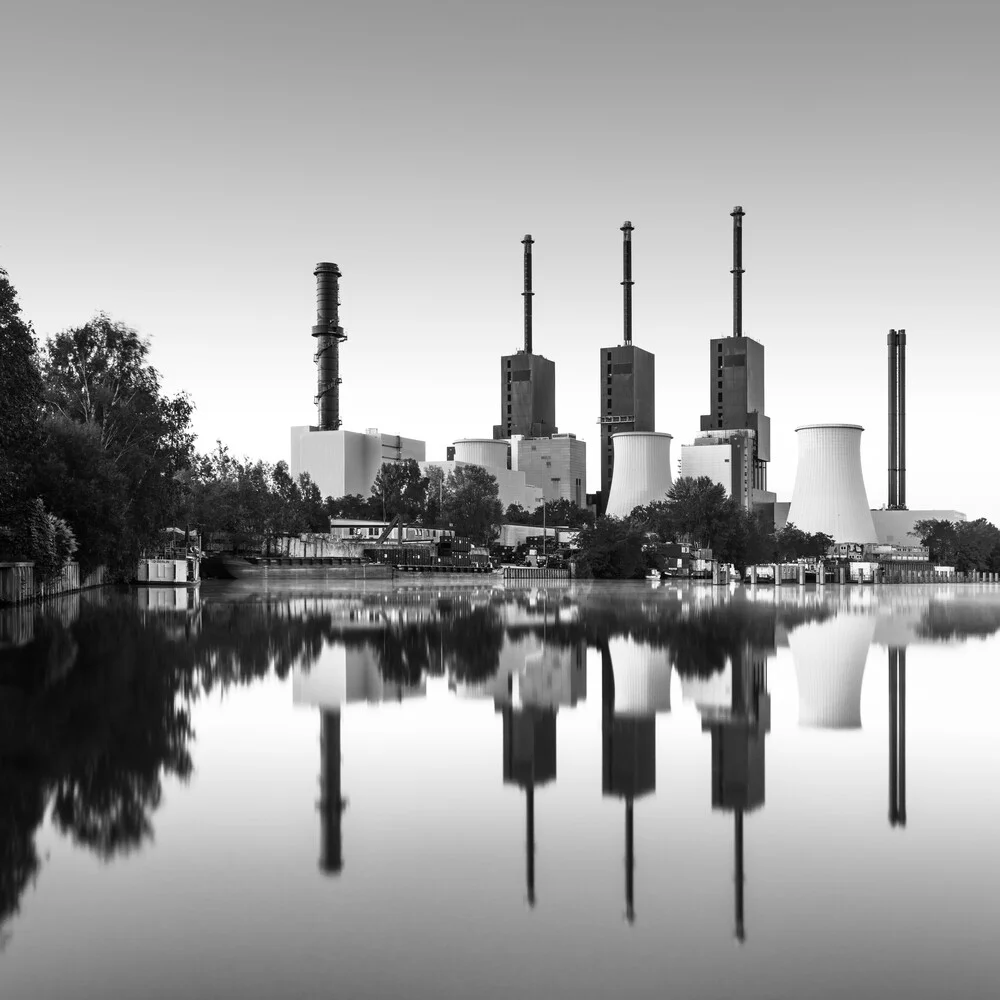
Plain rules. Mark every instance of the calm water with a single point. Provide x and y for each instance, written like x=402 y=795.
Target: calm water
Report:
x=299 y=791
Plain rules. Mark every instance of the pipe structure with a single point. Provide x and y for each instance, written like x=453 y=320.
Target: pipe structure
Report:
x=527 y=293
x=897 y=419
x=737 y=271
x=329 y=336
x=627 y=281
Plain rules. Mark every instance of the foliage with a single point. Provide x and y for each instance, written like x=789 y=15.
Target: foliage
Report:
x=354 y=507
x=433 y=513
x=254 y=502
x=114 y=448
x=792 y=544
x=44 y=539
x=472 y=503
x=611 y=549
x=969 y=546
x=400 y=488
x=20 y=400
x=556 y=512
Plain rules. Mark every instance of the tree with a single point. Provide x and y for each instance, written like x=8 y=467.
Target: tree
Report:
x=400 y=488
x=791 y=544
x=472 y=503
x=698 y=511
x=516 y=514
x=434 y=496
x=611 y=549
x=126 y=483
x=20 y=402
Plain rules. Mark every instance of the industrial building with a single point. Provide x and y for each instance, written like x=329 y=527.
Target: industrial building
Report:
x=725 y=457
x=627 y=379
x=527 y=380
x=829 y=493
x=343 y=462
x=642 y=471
x=339 y=462
x=736 y=384
x=556 y=464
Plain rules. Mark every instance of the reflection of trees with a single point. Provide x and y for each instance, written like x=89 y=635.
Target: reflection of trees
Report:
x=473 y=643
x=947 y=620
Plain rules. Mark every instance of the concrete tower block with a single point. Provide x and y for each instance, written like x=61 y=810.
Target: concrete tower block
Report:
x=641 y=471
x=829 y=493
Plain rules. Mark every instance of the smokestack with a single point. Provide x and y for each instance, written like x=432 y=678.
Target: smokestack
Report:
x=627 y=281
x=527 y=293
x=328 y=334
x=737 y=272
x=897 y=419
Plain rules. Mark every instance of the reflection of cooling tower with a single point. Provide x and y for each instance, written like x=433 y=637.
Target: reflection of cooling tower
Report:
x=641 y=471
x=829 y=494
x=481 y=451
x=829 y=660
x=642 y=677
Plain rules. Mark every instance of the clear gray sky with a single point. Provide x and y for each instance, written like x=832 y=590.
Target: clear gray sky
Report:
x=183 y=166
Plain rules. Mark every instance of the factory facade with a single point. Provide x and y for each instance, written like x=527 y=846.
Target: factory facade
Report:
x=343 y=462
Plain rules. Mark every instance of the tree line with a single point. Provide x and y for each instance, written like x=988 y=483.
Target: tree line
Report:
x=696 y=511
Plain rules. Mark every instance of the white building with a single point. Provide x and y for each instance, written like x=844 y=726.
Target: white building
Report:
x=726 y=458
x=829 y=493
x=345 y=462
x=557 y=464
x=641 y=471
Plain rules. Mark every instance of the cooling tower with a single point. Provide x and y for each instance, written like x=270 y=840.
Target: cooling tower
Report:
x=829 y=660
x=641 y=471
x=829 y=493
x=482 y=451
x=642 y=677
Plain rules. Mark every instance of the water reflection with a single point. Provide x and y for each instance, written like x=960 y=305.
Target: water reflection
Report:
x=97 y=691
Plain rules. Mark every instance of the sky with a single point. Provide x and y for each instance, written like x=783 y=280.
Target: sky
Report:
x=183 y=167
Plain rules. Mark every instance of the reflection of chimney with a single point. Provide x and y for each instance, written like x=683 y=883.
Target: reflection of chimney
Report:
x=741 y=935
x=629 y=862
x=331 y=803
x=897 y=737
x=737 y=271
x=530 y=843
x=329 y=335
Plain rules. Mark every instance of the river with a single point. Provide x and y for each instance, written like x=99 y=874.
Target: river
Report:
x=303 y=789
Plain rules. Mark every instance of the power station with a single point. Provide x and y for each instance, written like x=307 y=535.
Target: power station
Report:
x=533 y=463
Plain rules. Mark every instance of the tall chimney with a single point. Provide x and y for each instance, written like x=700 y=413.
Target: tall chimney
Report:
x=737 y=272
x=627 y=281
x=329 y=335
x=897 y=419
x=527 y=293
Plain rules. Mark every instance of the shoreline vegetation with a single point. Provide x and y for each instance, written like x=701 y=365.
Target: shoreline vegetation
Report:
x=96 y=462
